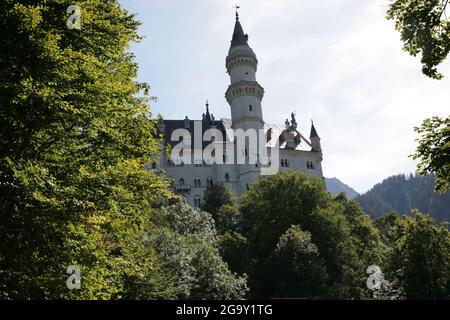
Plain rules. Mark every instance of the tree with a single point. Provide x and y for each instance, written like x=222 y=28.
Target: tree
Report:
x=187 y=246
x=417 y=255
x=296 y=266
x=76 y=134
x=233 y=248
x=434 y=151
x=424 y=28
x=214 y=197
x=228 y=218
x=343 y=234
x=425 y=253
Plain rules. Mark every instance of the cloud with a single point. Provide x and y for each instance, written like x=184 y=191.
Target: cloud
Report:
x=339 y=62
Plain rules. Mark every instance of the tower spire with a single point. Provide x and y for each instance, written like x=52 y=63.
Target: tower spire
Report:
x=313 y=130
x=239 y=37
x=207 y=115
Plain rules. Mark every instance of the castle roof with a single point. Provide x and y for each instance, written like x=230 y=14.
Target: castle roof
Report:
x=239 y=38
x=313 y=132
x=224 y=125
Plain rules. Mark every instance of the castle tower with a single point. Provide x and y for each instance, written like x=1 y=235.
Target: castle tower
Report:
x=244 y=95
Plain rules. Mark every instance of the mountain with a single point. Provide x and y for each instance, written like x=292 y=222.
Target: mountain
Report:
x=403 y=193
x=336 y=186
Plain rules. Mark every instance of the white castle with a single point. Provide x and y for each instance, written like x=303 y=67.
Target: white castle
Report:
x=287 y=148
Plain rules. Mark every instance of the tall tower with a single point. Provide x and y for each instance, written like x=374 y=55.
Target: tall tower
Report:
x=244 y=95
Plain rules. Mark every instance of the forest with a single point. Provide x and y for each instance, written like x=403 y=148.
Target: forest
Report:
x=403 y=193
x=76 y=134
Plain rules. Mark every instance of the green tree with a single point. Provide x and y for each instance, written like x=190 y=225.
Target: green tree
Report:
x=341 y=231
x=434 y=151
x=425 y=29
x=417 y=251
x=425 y=253
x=233 y=248
x=296 y=266
x=214 y=197
x=76 y=134
x=187 y=246
x=228 y=218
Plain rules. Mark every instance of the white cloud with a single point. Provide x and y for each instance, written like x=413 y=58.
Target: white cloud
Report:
x=339 y=62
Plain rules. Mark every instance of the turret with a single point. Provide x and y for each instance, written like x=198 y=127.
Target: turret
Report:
x=315 y=139
x=244 y=95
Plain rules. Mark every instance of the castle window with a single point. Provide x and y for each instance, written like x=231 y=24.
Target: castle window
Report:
x=181 y=182
x=250 y=108
x=282 y=162
x=286 y=163
x=248 y=187
x=227 y=177
x=269 y=134
x=197 y=202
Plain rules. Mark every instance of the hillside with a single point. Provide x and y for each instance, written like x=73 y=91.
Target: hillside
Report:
x=336 y=186
x=403 y=193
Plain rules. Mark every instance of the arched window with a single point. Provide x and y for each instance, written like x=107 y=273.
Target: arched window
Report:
x=250 y=108
x=286 y=163
x=282 y=162
x=248 y=187
x=181 y=182
x=227 y=177
x=197 y=202
x=269 y=135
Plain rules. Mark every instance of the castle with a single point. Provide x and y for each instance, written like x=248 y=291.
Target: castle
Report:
x=285 y=145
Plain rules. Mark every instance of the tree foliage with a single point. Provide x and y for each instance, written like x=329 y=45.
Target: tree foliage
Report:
x=214 y=197
x=188 y=247
x=296 y=266
x=417 y=253
x=434 y=151
x=425 y=29
x=343 y=234
x=75 y=137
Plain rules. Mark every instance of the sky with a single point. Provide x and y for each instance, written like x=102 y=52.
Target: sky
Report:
x=339 y=62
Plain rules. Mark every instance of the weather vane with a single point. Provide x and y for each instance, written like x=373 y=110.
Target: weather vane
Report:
x=237 y=8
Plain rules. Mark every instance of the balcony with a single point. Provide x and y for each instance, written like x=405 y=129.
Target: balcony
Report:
x=182 y=188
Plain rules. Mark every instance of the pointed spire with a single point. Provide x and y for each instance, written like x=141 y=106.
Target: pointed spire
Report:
x=239 y=38
x=313 y=131
x=207 y=115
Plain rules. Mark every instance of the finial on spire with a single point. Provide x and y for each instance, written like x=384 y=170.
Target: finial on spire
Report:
x=237 y=13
